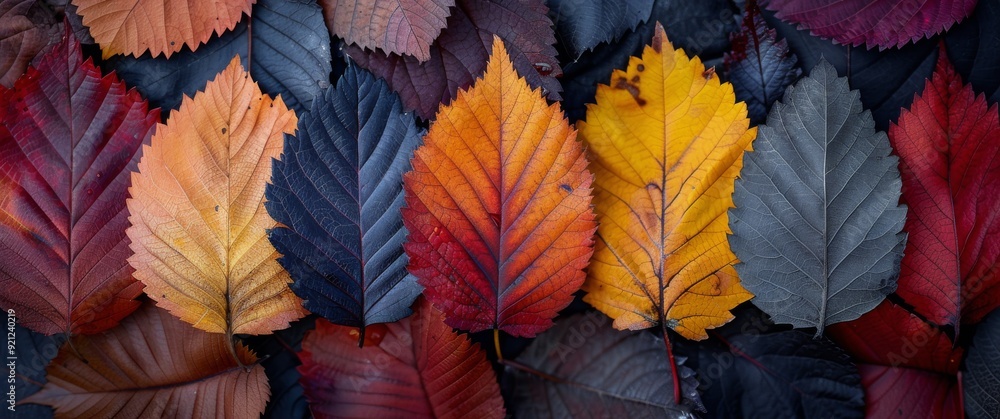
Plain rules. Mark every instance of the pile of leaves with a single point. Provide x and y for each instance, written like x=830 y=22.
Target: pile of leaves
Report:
x=474 y=208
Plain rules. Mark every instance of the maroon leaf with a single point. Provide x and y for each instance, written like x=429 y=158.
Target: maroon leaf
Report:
x=26 y=28
x=459 y=54
x=404 y=27
x=417 y=367
x=891 y=336
x=909 y=393
x=886 y=23
x=68 y=141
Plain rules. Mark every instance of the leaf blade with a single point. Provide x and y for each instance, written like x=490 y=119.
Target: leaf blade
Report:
x=651 y=248
x=69 y=138
x=499 y=234
x=197 y=210
x=807 y=183
x=341 y=233
x=406 y=27
x=429 y=370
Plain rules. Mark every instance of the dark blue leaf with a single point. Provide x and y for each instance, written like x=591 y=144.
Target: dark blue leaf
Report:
x=337 y=192
x=278 y=352
x=759 y=65
x=291 y=57
x=583 y=24
x=33 y=351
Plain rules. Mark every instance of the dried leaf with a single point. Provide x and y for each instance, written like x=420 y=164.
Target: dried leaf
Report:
x=153 y=365
x=69 y=137
x=133 y=27
x=197 y=210
x=498 y=207
x=336 y=194
x=402 y=27
x=417 y=367
x=817 y=224
x=667 y=141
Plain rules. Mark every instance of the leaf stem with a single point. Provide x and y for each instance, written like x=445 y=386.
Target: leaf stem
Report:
x=232 y=350
x=496 y=344
x=673 y=364
x=525 y=368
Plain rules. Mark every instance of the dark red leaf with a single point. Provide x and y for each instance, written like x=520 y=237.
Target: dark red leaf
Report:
x=891 y=336
x=909 y=393
x=70 y=137
x=950 y=162
x=886 y=23
x=459 y=54
x=419 y=367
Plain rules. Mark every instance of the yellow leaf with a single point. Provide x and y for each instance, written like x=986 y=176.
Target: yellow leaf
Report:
x=666 y=142
x=199 y=227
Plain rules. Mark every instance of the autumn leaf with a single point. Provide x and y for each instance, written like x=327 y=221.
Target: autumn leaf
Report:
x=336 y=193
x=153 y=365
x=667 y=140
x=26 y=28
x=460 y=53
x=950 y=162
x=759 y=65
x=909 y=393
x=68 y=139
x=403 y=27
x=283 y=32
x=817 y=224
x=417 y=367
x=498 y=207
x=593 y=370
x=133 y=27
x=882 y=23
x=197 y=210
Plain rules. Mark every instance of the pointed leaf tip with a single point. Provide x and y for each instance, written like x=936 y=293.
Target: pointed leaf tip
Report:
x=663 y=181
x=199 y=224
x=498 y=206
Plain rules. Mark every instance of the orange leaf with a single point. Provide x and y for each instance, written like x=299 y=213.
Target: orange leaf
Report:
x=153 y=365
x=667 y=142
x=199 y=227
x=132 y=27
x=498 y=207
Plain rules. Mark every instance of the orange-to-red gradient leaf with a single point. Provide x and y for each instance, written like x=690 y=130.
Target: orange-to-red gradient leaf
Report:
x=949 y=151
x=417 y=367
x=199 y=227
x=498 y=206
x=154 y=366
x=133 y=27
x=69 y=138
x=667 y=141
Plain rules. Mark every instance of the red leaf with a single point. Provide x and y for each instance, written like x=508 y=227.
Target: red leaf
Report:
x=459 y=54
x=891 y=336
x=886 y=23
x=420 y=368
x=70 y=137
x=909 y=393
x=949 y=148
x=498 y=207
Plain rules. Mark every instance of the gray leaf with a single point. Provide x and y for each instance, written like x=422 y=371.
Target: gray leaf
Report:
x=817 y=223
x=602 y=372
